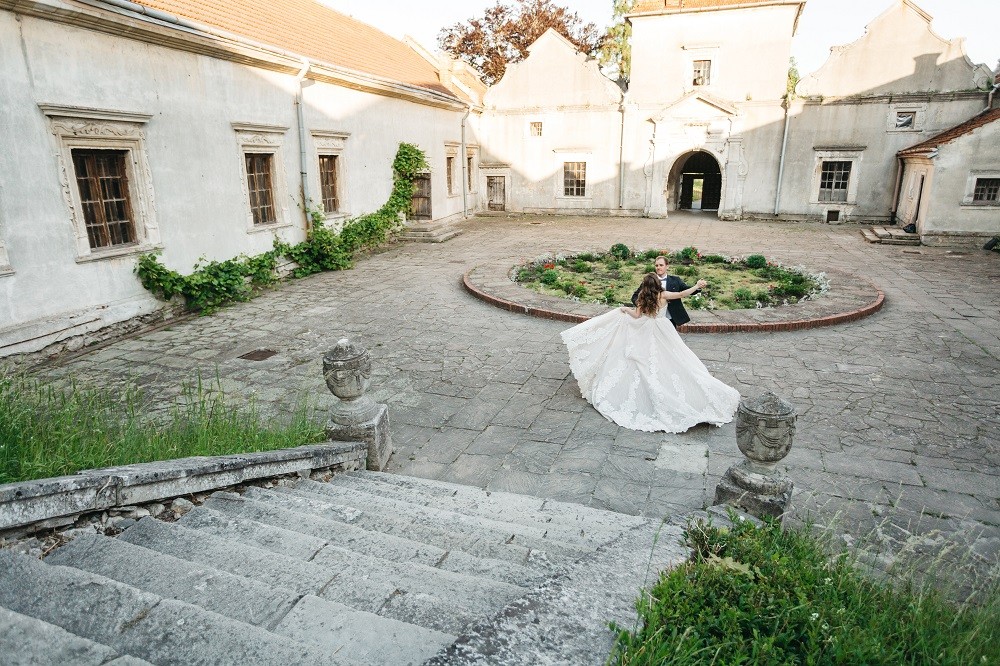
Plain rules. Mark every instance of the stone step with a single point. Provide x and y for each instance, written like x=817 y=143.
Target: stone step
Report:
x=27 y=641
x=141 y=624
x=881 y=232
x=368 y=542
x=408 y=577
x=870 y=236
x=564 y=541
x=892 y=236
x=355 y=635
x=352 y=587
x=485 y=545
x=506 y=507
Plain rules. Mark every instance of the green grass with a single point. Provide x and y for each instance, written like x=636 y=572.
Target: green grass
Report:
x=766 y=596
x=51 y=431
x=612 y=277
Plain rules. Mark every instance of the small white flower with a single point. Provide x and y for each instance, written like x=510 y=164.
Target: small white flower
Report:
x=814 y=617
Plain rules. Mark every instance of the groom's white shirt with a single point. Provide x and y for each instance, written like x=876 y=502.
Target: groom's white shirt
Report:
x=663 y=283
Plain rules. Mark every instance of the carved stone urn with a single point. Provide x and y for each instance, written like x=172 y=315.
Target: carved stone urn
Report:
x=765 y=427
x=347 y=369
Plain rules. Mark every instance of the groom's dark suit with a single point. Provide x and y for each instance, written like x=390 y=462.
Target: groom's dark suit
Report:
x=678 y=315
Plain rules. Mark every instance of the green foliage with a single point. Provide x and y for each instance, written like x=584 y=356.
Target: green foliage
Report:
x=648 y=268
x=579 y=291
x=581 y=267
x=614 y=265
x=651 y=254
x=213 y=284
x=752 y=595
x=686 y=271
x=610 y=297
x=793 y=79
x=616 y=49
x=688 y=254
x=714 y=259
x=743 y=295
x=550 y=276
x=755 y=261
x=586 y=256
x=620 y=251
x=47 y=430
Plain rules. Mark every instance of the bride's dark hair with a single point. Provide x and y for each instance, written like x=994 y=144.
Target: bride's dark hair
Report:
x=648 y=300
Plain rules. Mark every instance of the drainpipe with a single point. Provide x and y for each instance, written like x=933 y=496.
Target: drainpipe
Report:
x=897 y=190
x=303 y=162
x=989 y=97
x=621 y=159
x=781 y=162
x=465 y=168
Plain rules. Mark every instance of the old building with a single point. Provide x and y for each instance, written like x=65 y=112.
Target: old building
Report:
x=201 y=129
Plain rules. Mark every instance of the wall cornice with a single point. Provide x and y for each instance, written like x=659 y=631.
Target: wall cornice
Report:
x=207 y=41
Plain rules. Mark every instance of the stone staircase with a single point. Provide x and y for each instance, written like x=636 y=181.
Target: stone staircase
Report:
x=429 y=232
x=368 y=568
x=890 y=236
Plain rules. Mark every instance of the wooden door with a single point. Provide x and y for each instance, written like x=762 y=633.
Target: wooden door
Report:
x=496 y=189
x=420 y=204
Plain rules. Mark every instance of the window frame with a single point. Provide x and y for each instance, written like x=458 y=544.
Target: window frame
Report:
x=332 y=143
x=255 y=138
x=838 y=184
x=969 y=200
x=470 y=165
x=852 y=154
x=451 y=153
x=694 y=72
x=576 y=179
x=919 y=112
x=536 y=124
x=700 y=52
x=85 y=167
x=87 y=128
x=334 y=185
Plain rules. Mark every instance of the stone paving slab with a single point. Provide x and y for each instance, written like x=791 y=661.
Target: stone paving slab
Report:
x=906 y=399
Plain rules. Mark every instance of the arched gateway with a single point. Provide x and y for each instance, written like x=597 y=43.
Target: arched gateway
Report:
x=695 y=182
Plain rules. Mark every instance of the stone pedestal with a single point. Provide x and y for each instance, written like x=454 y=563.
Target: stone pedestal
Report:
x=765 y=428
x=374 y=433
x=347 y=369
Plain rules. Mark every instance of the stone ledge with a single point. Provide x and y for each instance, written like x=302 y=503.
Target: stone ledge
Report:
x=65 y=497
x=846 y=301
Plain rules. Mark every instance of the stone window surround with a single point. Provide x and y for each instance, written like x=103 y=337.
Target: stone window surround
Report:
x=471 y=152
x=693 y=53
x=5 y=267
x=572 y=155
x=970 y=188
x=108 y=129
x=919 y=112
x=850 y=154
x=530 y=127
x=329 y=142
x=452 y=150
x=260 y=138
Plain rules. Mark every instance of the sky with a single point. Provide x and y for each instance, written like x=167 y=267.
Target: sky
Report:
x=824 y=23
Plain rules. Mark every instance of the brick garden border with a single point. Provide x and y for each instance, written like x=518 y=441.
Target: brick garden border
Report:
x=875 y=303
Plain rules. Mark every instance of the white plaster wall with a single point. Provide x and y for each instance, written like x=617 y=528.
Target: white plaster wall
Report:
x=846 y=125
x=194 y=157
x=953 y=168
x=663 y=45
x=899 y=53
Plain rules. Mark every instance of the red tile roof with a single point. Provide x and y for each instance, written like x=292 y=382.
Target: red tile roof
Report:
x=648 y=6
x=968 y=126
x=315 y=31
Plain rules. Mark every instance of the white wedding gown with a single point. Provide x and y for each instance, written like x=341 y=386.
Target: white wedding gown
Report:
x=640 y=374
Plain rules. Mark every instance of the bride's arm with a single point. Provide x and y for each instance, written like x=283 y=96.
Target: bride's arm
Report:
x=674 y=295
x=631 y=312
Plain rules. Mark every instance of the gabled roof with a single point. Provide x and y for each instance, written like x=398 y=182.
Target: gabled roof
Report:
x=655 y=6
x=984 y=118
x=717 y=103
x=312 y=30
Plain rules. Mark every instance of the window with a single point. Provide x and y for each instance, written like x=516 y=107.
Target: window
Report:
x=328 y=183
x=987 y=191
x=103 y=186
x=468 y=171
x=834 y=180
x=906 y=119
x=261 y=187
x=574 y=179
x=106 y=180
x=450 y=174
x=535 y=128
x=702 y=73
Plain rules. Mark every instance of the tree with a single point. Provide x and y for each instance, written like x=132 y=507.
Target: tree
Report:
x=503 y=34
x=616 y=49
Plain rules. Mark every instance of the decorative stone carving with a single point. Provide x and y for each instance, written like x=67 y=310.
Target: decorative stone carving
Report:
x=347 y=369
x=765 y=428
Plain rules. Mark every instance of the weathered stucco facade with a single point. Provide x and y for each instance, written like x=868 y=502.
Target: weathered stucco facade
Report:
x=184 y=109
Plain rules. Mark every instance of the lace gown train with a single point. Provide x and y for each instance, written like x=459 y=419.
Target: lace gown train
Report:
x=640 y=374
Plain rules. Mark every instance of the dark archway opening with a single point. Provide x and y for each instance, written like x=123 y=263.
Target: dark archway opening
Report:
x=701 y=183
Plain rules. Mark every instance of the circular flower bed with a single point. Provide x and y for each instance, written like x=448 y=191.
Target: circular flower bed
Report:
x=611 y=277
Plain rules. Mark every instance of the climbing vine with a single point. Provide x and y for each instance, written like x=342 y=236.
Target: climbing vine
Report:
x=212 y=284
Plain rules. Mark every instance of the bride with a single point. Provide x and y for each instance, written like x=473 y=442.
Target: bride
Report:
x=633 y=367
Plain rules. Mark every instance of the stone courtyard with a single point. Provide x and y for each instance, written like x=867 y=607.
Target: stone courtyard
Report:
x=899 y=413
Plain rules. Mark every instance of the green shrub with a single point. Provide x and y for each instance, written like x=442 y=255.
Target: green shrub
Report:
x=614 y=265
x=743 y=295
x=580 y=291
x=609 y=297
x=687 y=271
x=651 y=254
x=752 y=595
x=620 y=251
x=550 y=276
x=568 y=288
x=586 y=256
x=581 y=267
x=714 y=259
x=686 y=254
x=649 y=268
x=755 y=261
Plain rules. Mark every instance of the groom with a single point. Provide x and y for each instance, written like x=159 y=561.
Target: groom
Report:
x=675 y=309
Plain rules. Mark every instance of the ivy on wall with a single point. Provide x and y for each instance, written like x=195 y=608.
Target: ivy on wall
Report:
x=213 y=284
